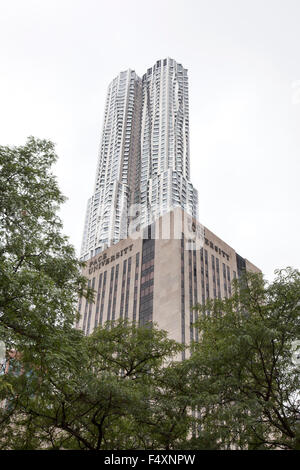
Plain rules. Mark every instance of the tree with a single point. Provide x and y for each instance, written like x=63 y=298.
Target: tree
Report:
x=40 y=275
x=63 y=390
x=116 y=392
x=245 y=376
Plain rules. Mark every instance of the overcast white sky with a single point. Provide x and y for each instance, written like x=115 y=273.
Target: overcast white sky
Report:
x=243 y=57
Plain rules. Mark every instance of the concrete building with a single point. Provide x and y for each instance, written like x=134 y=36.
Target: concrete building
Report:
x=159 y=274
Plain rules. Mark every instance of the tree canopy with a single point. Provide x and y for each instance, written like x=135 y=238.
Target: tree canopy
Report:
x=114 y=392
x=245 y=364
x=40 y=276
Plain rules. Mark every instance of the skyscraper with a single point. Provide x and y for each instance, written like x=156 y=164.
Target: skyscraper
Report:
x=144 y=154
x=165 y=156
x=144 y=161
x=117 y=169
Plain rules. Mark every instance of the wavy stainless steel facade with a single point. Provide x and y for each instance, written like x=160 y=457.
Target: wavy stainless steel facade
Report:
x=144 y=154
x=117 y=168
x=165 y=154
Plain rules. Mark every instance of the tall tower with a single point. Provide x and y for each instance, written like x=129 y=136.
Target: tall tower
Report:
x=117 y=175
x=144 y=154
x=144 y=159
x=165 y=156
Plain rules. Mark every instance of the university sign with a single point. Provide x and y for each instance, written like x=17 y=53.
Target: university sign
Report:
x=216 y=248
x=103 y=260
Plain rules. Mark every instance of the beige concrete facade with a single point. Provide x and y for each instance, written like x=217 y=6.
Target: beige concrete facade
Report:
x=160 y=278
